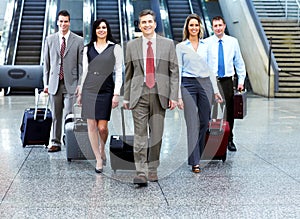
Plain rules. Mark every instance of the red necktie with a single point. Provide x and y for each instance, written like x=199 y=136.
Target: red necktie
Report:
x=150 y=79
x=62 y=52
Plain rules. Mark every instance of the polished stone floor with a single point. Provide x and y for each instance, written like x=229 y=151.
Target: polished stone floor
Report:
x=260 y=180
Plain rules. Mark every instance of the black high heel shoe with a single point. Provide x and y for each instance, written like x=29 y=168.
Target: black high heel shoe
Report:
x=98 y=170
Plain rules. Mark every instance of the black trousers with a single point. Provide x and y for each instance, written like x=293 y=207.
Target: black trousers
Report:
x=227 y=92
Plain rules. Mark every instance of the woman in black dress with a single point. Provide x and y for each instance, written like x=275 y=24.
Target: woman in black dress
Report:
x=100 y=92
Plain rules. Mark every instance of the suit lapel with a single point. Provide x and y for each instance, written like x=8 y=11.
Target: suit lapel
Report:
x=140 y=52
x=57 y=43
x=69 y=43
x=159 y=47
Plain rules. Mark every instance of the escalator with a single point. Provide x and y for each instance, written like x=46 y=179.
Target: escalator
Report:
x=109 y=9
x=29 y=42
x=178 y=11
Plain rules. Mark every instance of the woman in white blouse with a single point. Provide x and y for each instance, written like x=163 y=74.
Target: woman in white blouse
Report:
x=99 y=91
x=198 y=84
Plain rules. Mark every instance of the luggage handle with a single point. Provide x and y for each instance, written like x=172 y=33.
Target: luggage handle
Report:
x=211 y=115
x=37 y=94
x=123 y=123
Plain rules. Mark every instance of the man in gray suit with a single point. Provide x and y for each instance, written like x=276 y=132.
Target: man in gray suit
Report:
x=151 y=86
x=62 y=74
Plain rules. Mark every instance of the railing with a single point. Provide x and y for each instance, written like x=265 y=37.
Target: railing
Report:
x=191 y=7
x=46 y=22
x=165 y=19
x=18 y=33
x=298 y=11
x=11 y=9
x=265 y=42
x=286 y=6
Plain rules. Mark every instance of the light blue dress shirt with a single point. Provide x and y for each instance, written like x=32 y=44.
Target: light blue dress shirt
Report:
x=194 y=63
x=232 y=56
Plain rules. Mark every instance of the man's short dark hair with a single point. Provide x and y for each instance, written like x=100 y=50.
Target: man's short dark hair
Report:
x=64 y=13
x=146 y=12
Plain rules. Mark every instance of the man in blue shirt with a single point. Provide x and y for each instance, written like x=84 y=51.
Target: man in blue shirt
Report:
x=225 y=58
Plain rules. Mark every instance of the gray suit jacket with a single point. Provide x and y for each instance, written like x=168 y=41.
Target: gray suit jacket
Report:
x=72 y=62
x=166 y=71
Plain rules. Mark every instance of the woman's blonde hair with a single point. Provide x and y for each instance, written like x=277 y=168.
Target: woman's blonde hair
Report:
x=185 y=31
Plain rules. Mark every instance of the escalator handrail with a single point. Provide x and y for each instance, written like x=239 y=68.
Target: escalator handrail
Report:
x=18 y=33
x=191 y=7
x=46 y=23
x=121 y=27
x=6 y=44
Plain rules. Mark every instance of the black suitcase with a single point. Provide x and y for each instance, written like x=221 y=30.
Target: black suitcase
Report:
x=121 y=149
x=36 y=124
x=76 y=138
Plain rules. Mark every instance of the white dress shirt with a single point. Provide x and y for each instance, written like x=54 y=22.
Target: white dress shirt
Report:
x=232 y=56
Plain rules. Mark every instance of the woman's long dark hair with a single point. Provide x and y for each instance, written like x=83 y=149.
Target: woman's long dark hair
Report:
x=94 y=35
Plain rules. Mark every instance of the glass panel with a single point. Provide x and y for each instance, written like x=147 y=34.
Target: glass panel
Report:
x=7 y=29
x=165 y=19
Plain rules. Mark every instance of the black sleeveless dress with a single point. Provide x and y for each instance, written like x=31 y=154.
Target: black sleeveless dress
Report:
x=98 y=87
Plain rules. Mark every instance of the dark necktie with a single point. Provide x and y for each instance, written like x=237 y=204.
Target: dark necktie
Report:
x=221 y=65
x=150 y=79
x=62 y=52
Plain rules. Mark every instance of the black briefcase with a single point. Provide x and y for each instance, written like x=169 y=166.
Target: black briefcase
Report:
x=240 y=104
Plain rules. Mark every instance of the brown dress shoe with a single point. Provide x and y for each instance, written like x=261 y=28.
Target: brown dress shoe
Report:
x=152 y=177
x=54 y=149
x=140 y=180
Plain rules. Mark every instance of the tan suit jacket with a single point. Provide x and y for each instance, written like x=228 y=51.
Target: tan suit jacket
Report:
x=166 y=71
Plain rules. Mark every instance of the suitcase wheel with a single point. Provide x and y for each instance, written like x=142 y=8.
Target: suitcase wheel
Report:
x=224 y=158
x=69 y=159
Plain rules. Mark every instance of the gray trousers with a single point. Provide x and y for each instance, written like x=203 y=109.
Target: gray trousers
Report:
x=61 y=105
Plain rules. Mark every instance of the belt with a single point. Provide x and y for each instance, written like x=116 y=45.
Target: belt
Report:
x=224 y=78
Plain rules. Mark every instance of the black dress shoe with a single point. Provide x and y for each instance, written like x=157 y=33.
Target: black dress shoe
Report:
x=54 y=149
x=140 y=180
x=98 y=170
x=231 y=146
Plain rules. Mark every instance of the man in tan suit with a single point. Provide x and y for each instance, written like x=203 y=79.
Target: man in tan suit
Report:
x=148 y=99
x=62 y=74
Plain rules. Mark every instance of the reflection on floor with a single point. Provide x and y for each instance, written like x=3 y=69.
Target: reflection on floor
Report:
x=260 y=180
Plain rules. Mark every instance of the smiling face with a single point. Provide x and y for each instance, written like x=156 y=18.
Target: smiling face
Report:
x=147 y=25
x=194 y=28
x=101 y=31
x=218 y=27
x=63 y=23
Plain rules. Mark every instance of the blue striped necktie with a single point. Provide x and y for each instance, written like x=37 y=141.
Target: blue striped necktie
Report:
x=221 y=65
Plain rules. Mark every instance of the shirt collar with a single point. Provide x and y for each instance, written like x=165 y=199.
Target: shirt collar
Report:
x=152 y=39
x=217 y=39
x=66 y=35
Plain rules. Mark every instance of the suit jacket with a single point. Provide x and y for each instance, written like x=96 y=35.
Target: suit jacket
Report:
x=72 y=62
x=166 y=71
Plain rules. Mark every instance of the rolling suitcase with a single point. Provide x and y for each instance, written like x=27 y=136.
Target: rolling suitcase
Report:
x=216 y=139
x=240 y=104
x=78 y=146
x=36 y=124
x=121 y=149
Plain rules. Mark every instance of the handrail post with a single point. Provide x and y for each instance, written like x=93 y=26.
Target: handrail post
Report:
x=269 y=66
